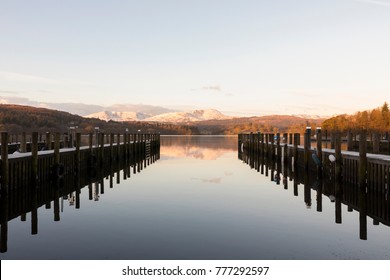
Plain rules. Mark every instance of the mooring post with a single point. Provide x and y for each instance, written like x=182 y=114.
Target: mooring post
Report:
x=295 y=154
x=349 y=141
x=278 y=149
x=48 y=140
x=57 y=148
x=90 y=142
x=319 y=151
x=307 y=148
x=112 y=147
x=363 y=160
x=34 y=156
x=285 y=148
x=376 y=143
x=272 y=140
x=4 y=163
x=23 y=143
x=78 y=154
x=339 y=158
x=102 y=148
x=118 y=145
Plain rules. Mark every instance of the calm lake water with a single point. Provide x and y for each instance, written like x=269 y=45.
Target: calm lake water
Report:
x=198 y=201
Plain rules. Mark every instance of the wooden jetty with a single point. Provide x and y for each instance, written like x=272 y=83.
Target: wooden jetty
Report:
x=359 y=180
x=47 y=173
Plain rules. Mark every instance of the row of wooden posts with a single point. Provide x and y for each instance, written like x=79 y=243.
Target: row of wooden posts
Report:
x=40 y=163
x=270 y=145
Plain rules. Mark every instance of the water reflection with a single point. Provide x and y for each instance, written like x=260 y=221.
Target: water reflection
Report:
x=369 y=202
x=199 y=147
x=63 y=192
x=188 y=208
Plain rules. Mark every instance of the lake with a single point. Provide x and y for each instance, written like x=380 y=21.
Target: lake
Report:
x=198 y=201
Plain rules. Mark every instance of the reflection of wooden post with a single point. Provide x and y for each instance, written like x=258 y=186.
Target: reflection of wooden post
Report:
x=4 y=163
x=4 y=200
x=307 y=191
x=363 y=212
x=34 y=212
x=57 y=202
x=319 y=196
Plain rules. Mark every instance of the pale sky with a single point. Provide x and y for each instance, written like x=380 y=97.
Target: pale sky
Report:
x=251 y=57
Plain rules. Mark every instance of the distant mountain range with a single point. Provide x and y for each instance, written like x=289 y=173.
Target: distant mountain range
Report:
x=171 y=117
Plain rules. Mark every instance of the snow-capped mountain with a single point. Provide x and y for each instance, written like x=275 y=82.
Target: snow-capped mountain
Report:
x=192 y=116
x=119 y=116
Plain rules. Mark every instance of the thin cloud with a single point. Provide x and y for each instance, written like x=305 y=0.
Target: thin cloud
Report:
x=212 y=88
x=22 y=78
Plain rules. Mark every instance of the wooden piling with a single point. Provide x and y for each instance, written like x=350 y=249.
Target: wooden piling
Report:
x=362 y=177
x=376 y=143
x=349 y=141
x=34 y=156
x=319 y=151
x=339 y=159
x=78 y=155
x=57 y=148
x=307 y=148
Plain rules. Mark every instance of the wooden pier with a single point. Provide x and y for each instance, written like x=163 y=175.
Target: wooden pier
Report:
x=359 y=180
x=36 y=178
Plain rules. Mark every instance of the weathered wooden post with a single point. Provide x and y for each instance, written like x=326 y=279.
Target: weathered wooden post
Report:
x=295 y=153
x=307 y=148
x=57 y=148
x=319 y=151
x=34 y=156
x=285 y=148
x=112 y=148
x=101 y=149
x=376 y=143
x=349 y=141
x=23 y=143
x=78 y=155
x=48 y=140
x=278 y=149
x=339 y=158
x=4 y=163
x=118 y=147
x=363 y=160
x=272 y=140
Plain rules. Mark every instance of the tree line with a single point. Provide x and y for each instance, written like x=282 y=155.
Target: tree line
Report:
x=376 y=120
